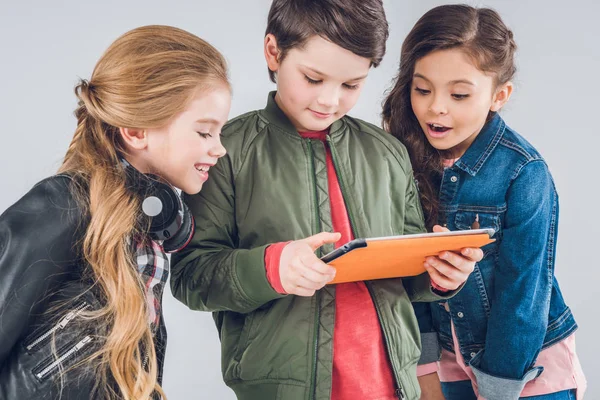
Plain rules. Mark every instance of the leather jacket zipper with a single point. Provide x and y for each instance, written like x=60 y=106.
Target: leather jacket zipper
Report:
x=56 y=363
x=60 y=325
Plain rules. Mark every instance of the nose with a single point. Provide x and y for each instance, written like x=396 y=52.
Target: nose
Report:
x=217 y=150
x=329 y=97
x=438 y=106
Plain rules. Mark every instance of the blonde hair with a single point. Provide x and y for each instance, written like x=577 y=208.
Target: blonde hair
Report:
x=145 y=78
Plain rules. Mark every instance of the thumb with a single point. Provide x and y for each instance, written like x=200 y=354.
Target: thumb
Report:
x=322 y=238
x=438 y=228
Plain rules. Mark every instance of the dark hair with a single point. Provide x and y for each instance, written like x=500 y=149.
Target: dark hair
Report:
x=483 y=36
x=359 y=26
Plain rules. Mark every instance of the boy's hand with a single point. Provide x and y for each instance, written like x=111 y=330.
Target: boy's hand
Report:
x=300 y=270
x=449 y=270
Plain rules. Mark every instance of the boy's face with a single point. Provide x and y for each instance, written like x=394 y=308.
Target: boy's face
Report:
x=318 y=83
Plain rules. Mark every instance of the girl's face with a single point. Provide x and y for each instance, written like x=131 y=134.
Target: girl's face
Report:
x=183 y=151
x=451 y=99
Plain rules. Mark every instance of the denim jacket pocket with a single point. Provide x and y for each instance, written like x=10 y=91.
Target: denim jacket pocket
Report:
x=474 y=219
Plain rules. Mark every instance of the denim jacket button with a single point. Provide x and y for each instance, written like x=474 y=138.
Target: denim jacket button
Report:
x=473 y=354
x=460 y=314
x=454 y=179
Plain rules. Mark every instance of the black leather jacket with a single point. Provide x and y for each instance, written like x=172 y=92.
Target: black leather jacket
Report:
x=43 y=289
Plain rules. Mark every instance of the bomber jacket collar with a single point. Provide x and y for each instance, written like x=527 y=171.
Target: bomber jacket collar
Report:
x=483 y=145
x=276 y=116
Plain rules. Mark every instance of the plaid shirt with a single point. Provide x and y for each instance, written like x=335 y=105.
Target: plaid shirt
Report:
x=153 y=267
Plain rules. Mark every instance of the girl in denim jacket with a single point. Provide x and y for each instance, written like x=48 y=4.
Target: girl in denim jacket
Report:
x=508 y=334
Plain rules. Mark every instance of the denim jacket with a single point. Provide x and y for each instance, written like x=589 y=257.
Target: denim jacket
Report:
x=511 y=307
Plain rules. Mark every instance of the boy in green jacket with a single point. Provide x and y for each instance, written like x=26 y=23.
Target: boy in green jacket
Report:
x=296 y=171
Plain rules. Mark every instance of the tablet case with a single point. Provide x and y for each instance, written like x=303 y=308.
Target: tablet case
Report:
x=398 y=256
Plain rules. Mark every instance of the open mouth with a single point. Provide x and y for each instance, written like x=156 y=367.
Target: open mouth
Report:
x=438 y=128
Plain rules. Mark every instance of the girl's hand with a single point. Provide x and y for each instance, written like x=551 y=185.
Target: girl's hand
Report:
x=449 y=270
x=300 y=270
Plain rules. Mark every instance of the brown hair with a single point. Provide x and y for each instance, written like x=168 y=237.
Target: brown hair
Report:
x=483 y=36
x=359 y=26
x=144 y=79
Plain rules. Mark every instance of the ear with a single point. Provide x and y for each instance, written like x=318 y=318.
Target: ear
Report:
x=501 y=96
x=272 y=52
x=134 y=138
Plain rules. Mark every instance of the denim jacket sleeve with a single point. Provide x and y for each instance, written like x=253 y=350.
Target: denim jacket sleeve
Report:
x=522 y=286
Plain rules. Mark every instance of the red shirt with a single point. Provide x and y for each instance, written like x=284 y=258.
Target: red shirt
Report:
x=361 y=368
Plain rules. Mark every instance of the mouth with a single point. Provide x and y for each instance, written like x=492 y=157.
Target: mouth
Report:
x=437 y=130
x=320 y=114
x=203 y=170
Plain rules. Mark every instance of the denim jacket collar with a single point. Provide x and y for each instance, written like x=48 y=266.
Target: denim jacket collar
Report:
x=483 y=145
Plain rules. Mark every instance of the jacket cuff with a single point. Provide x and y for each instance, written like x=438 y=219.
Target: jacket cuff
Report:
x=272 y=258
x=422 y=291
x=251 y=278
x=430 y=348
x=493 y=387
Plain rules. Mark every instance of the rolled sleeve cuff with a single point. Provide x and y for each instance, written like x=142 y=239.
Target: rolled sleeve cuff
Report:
x=430 y=348
x=497 y=388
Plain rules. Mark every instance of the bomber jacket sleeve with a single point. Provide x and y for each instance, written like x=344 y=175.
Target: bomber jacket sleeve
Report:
x=419 y=288
x=522 y=286
x=212 y=273
x=37 y=241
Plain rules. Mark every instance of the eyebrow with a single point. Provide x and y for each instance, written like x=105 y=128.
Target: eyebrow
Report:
x=209 y=120
x=316 y=71
x=417 y=75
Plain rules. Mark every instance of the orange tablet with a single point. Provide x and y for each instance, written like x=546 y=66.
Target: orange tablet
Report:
x=398 y=256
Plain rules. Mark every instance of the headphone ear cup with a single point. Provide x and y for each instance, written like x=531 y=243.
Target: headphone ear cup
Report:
x=162 y=204
x=164 y=215
x=185 y=233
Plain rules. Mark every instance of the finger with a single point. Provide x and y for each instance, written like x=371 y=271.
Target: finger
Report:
x=448 y=270
x=313 y=262
x=310 y=284
x=440 y=279
x=322 y=238
x=315 y=277
x=439 y=228
x=457 y=260
x=300 y=291
x=473 y=253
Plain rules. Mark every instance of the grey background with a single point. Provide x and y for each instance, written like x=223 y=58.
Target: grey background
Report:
x=46 y=46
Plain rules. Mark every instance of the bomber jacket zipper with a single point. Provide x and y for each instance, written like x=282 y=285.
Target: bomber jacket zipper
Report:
x=399 y=391
x=313 y=391
x=59 y=326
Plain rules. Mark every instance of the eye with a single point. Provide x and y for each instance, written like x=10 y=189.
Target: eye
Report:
x=350 y=87
x=204 y=135
x=311 y=81
x=422 y=91
x=460 y=96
